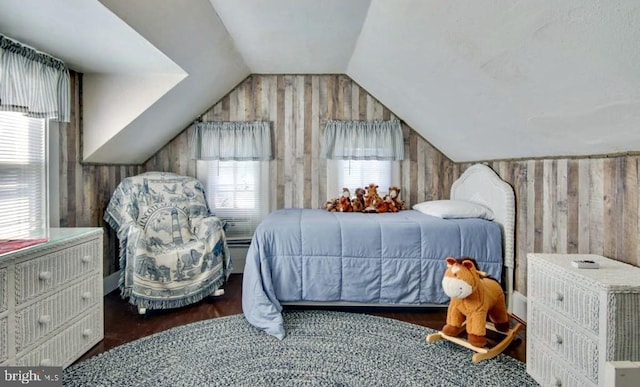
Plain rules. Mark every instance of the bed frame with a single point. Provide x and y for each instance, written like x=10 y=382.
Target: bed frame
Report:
x=478 y=184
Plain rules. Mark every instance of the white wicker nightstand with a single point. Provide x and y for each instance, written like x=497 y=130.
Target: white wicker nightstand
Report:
x=51 y=302
x=577 y=319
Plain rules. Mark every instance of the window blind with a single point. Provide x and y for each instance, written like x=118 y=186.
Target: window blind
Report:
x=235 y=193
x=23 y=205
x=354 y=174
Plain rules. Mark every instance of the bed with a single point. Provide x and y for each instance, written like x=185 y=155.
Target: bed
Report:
x=309 y=256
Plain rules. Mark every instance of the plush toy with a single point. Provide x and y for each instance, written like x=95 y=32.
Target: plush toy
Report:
x=370 y=195
x=380 y=205
x=359 y=198
x=474 y=296
x=357 y=203
x=391 y=205
x=393 y=198
x=344 y=204
x=331 y=205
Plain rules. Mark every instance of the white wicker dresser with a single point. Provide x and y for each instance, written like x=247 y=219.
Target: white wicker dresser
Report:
x=51 y=303
x=578 y=319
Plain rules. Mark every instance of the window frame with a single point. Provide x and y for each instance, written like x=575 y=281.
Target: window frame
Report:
x=34 y=228
x=335 y=184
x=203 y=173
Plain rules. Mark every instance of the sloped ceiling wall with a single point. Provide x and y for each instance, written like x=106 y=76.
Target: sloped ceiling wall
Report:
x=480 y=80
x=497 y=79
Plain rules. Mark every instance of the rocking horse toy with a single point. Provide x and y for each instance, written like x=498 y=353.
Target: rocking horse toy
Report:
x=474 y=297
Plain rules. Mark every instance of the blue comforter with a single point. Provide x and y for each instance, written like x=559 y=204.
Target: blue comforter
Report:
x=390 y=258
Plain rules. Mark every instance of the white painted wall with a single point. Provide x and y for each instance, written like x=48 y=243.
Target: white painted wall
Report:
x=195 y=39
x=479 y=80
x=112 y=101
x=501 y=79
x=294 y=36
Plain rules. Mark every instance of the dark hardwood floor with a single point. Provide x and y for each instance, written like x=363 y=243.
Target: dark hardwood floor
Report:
x=122 y=323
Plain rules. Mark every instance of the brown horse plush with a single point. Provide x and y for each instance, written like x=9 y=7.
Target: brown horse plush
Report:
x=473 y=298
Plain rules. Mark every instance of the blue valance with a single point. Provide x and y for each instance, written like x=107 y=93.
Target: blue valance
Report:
x=363 y=140
x=32 y=82
x=233 y=140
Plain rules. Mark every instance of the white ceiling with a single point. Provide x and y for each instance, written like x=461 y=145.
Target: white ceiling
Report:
x=479 y=80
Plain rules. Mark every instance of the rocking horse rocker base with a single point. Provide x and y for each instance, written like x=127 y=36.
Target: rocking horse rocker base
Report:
x=482 y=353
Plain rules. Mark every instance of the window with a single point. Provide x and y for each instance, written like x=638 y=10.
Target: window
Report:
x=360 y=173
x=359 y=153
x=237 y=191
x=23 y=176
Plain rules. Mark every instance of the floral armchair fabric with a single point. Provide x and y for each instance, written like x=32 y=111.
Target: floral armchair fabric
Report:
x=173 y=252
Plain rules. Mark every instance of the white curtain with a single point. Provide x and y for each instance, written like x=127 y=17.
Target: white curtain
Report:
x=363 y=140
x=32 y=82
x=239 y=141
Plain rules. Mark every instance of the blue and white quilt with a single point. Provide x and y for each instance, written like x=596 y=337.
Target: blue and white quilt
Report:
x=173 y=252
x=391 y=258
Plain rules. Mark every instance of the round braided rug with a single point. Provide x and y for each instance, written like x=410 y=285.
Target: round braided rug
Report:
x=322 y=348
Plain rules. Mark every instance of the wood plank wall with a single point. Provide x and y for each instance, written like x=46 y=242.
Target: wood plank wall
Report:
x=85 y=189
x=585 y=205
x=298 y=106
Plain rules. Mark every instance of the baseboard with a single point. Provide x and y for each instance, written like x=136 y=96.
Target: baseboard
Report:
x=520 y=306
x=110 y=282
x=238 y=257
x=622 y=373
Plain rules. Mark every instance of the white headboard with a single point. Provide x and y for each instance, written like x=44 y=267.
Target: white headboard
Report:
x=480 y=184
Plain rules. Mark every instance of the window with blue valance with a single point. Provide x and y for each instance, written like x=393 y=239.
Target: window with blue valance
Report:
x=33 y=83
x=233 y=140
x=232 y=163
x=363 y=140
x=362 y=152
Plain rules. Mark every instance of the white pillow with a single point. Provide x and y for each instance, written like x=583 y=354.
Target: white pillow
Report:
x=454 y=209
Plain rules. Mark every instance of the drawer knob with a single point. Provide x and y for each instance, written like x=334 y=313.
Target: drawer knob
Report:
x=558 y=339
x=86 y=295
x=46 y=362
x=44 y=319
x=87 y=332
x=44 y=275
x=559 y=296
x=86 y=259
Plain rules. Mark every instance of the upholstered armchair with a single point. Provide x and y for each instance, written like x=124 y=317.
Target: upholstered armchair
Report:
x=173 y=251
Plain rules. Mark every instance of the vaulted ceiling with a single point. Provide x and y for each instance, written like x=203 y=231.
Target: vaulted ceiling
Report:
x=480 y=80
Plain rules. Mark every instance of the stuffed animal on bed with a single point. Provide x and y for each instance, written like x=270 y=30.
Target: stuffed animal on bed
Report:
x=344 y=203
x=331 y=205
x=358 y=201
x=474 y=296
x=380 y=205
x=393 y=198
x=370 y=195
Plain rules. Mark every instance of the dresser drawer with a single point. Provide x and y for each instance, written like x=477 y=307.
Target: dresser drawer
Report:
x=4 y=339
x=39 y=276
x=563 y=339
x=48 y=314
x=66 y=346
x=565 y=296
x=549 y=369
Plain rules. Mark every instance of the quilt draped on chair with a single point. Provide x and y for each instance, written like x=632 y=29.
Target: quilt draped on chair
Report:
x=173 y=252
